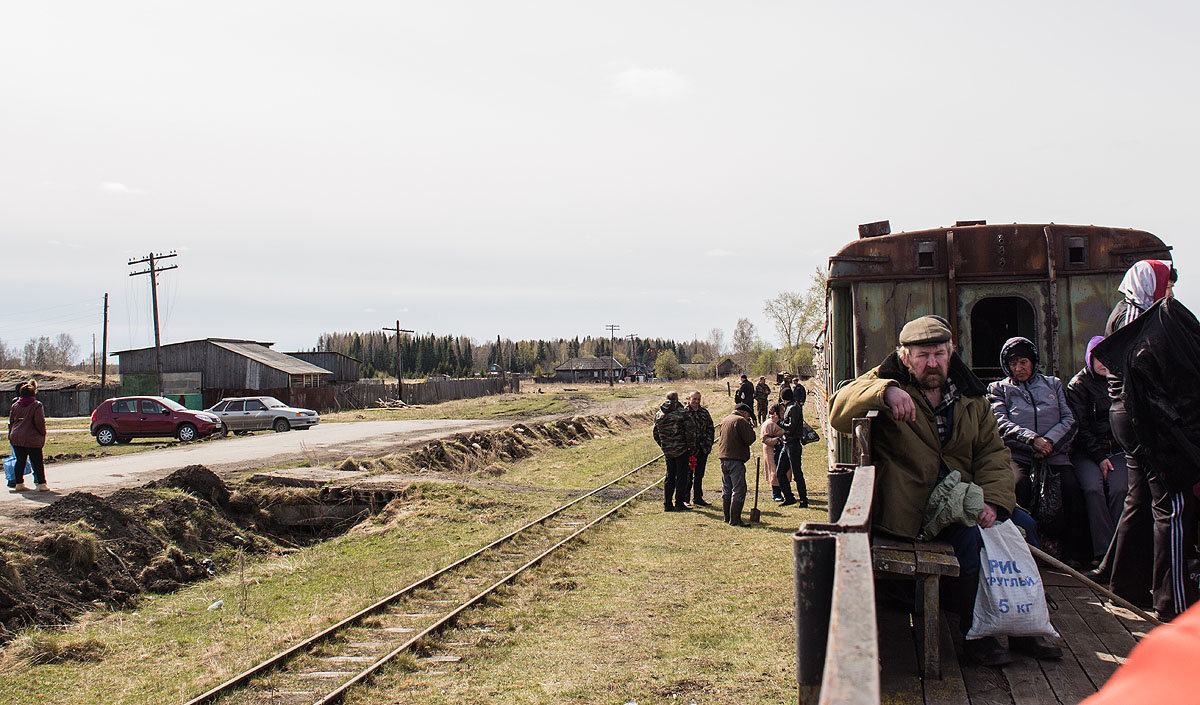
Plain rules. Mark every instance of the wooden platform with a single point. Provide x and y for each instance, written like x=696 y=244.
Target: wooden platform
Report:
x=1096 y=638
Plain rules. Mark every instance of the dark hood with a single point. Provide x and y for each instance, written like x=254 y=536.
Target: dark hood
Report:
x=962 y=376
x=668 y=406
x=1011 y=345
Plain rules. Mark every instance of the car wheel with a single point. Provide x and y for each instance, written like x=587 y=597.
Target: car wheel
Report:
x=106 y=436
x=224 y=430
x=186 y=432
x=281 y=425
x=123 y=439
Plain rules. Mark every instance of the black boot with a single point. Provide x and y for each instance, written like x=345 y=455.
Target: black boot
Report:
x=735 y=513
x=725 y=508
x=786 y=489
x=699 y=501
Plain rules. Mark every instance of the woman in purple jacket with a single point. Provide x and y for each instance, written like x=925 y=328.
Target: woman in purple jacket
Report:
x=27 y=434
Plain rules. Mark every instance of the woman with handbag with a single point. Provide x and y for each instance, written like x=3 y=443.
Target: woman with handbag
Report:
x=792 y=423
x=27 y=434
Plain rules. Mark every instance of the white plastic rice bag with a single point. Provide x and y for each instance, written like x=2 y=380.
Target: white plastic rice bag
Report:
x=1011 y=600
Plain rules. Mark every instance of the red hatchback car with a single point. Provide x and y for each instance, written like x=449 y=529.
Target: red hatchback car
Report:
x=125 y=418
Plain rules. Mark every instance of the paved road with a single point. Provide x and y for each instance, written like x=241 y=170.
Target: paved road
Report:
x=333 y=442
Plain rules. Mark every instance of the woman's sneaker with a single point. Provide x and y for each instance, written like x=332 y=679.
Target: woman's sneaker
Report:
x=19 y=487
x=41 y=487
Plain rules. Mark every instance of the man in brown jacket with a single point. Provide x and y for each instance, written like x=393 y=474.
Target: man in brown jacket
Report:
x=935 y=418
x=737 y=435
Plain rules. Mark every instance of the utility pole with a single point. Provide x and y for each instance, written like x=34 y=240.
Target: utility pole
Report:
x=104 y=349
x=612 y=330
x=399 y=360
x=631 y=336
x=153 y=270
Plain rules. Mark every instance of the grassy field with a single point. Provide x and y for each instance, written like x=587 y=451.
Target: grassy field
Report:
x=654 y=607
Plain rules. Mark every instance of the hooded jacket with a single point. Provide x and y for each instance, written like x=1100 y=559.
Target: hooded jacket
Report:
x=703 y=428
x=737 y=435
x=1087 y=393
x=909 y=456
x=1155 y=356
x=672 y=432
x=27 y=423
x=1026 y=410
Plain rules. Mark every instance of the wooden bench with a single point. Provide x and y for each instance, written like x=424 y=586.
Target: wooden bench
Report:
x=923 y=561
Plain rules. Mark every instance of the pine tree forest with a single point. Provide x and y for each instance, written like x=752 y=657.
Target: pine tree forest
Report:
x=459 y=356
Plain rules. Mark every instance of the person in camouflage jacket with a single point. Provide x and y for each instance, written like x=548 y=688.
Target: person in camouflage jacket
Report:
x=677 y=438
x=705 y=431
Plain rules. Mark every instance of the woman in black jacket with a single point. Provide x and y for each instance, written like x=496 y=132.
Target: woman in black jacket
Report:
x=792 y=423
x=1098 y=459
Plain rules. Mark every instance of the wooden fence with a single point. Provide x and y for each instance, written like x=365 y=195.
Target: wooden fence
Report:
x=364 y=393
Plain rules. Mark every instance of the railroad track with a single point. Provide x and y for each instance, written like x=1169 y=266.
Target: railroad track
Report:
x=323 y=667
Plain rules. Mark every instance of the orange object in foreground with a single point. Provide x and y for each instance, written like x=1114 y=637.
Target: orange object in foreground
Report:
x=1161 y=669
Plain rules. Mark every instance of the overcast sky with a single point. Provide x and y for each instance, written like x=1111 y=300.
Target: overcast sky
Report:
x=541 y=169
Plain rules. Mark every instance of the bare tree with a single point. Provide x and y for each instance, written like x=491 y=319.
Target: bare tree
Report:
x=797 y=317
x=784 y=311
x=744 y=338
x=716 y=340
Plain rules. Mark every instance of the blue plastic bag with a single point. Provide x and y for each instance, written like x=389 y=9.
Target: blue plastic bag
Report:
x=10 y=469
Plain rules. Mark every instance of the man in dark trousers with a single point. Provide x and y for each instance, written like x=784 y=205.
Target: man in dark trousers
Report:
x=677 y=438
x=762 y=396
x=702 y=426
x=737 y=435
x=745 y=395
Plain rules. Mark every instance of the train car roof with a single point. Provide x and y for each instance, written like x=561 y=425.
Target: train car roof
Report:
x=976 y=251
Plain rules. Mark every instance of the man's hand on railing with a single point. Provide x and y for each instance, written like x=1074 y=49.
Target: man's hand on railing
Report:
x=902 y=406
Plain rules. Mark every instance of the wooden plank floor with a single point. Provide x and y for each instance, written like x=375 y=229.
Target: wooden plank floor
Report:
x=1096 y=638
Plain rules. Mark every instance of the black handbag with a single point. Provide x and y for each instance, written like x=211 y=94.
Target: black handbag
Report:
x=1047 y=492
x=808 y=435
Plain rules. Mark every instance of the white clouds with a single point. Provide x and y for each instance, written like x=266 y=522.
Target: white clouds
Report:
x=718 y=253
x=656 y=85
x=119 y=189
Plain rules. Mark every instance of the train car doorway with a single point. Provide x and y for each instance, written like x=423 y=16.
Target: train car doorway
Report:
x=994 y=320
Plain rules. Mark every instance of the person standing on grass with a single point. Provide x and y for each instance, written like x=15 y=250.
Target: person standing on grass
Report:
x=704 y=430
x=792 y=422
x=677 y=438
x=772 y=436
x=745 y=394
x=762 y=397
x=737 y=435
x=27 y=434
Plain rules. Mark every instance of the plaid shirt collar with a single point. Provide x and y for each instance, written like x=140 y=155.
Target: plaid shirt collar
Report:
x=943 y=413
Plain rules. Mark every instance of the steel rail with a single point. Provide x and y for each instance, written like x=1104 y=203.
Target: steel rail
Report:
x=287 y=653
x=366 y=673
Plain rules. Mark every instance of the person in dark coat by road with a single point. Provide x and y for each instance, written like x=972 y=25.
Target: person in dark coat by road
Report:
x=27 y=434
x=792 y=423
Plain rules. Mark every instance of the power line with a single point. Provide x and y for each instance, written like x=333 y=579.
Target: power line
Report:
x=153 y=270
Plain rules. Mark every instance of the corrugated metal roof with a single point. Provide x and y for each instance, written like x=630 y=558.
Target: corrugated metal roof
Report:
x=271 y=358
x=590 y=363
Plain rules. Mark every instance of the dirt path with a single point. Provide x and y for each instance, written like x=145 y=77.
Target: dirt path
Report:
x=331 y=442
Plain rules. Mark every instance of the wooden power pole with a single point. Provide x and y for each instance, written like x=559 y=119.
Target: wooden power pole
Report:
x=399 y=360
x=104 y=349
x=612 y=350
x=153 y=270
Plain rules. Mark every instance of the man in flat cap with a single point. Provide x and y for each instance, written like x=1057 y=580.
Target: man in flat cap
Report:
x=935 y=418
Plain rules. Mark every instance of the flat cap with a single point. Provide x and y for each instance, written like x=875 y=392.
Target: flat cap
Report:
x=926 y=330
x=744 y=407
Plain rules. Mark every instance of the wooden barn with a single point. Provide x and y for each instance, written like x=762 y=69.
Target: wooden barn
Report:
x=344 y=368
x=589 y=369
x=198 y=373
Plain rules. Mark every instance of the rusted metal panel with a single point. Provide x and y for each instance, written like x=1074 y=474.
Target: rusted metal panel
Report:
x=880 y=310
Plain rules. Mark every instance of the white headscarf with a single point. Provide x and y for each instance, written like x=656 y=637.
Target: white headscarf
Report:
x=1144 y=283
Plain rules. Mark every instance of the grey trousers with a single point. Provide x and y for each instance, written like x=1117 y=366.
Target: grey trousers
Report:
x=733 y=480
x=1103 y=497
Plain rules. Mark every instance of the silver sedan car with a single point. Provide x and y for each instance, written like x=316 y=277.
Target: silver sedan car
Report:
x=261 y=413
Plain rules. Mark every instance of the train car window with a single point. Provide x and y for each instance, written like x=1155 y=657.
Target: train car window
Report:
x=1076 y=251
x=925 y=255
x=993 y=321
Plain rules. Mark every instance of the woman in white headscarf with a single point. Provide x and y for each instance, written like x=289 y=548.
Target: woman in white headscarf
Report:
x=1154 y=517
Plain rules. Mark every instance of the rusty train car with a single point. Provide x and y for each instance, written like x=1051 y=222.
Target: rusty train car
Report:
x=1054 y=284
